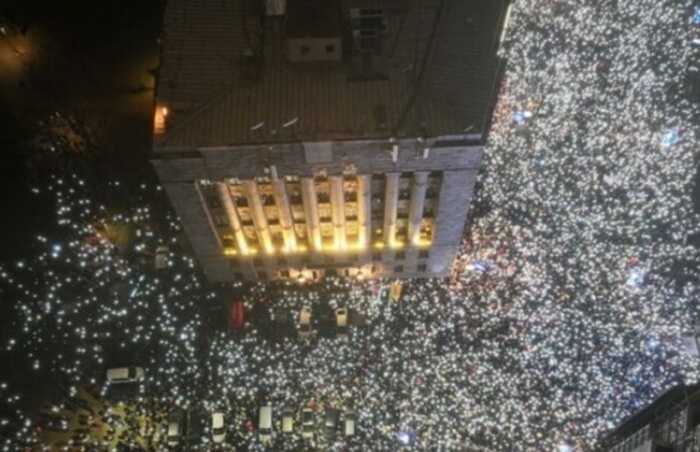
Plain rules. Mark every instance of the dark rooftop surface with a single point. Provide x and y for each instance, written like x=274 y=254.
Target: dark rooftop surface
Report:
x=649 y=413
x=313 y=18
x=226 y=80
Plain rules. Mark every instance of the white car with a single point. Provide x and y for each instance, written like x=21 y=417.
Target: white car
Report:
x=349 y=425
x=218 y=431
x=265 y=424
x=341 y=320
x=174 y=429
x=305 y=322
x=287 y=421
x=125 y=375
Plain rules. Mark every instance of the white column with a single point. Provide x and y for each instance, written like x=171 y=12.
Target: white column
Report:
x=259 y=219
x=364 y=210
x=285 y=214
x=415 y=215
x=391 y=200
x=234 y=221
x=308 y=194
x=338 y=211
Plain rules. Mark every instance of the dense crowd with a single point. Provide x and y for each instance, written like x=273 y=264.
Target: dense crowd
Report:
x=566 y=310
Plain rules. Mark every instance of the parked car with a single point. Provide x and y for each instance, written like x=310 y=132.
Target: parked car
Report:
x=218 y=431
x=280 y=315
x=287 y=421
x=350 y=420
x=330 y=423
x=161 y=257
x=305 y=322
x=236 y=319
x=198 y=424
x=53 y=423
x=75 y=403
x=122 y=375
x=265 y=424
x=341 y=320
x=395 y=292
x=176 y=428
x=307 y=423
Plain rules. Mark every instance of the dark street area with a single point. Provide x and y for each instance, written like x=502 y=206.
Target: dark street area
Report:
x=76 y=92
x=79 y=77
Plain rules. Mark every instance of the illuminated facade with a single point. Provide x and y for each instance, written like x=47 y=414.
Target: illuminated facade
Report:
x=308 y=148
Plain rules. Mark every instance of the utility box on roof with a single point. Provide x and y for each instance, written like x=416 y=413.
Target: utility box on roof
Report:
x=313 y=31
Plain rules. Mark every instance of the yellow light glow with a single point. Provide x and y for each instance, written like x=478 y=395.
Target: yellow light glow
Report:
x=345 y=247
x=379 y=245
x=159 y=120
x=242 y=244
x=356 y=247
x=230 y=252
x=396 y=244
x=422 y=243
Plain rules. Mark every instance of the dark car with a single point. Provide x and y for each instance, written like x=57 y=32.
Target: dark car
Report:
x=330 y=423
x=236 y=319
x=76 y=403
x=53 y=423
x=280 y=315
x=199 y=422
x=307 y=423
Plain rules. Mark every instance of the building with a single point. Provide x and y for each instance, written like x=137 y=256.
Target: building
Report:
x=302 y=137
x=670 y=424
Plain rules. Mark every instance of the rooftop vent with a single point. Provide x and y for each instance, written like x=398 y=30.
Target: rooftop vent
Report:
x=368 y=28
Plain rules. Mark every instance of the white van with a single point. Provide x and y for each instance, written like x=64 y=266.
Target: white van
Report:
x=265 y=423
x=125 y=375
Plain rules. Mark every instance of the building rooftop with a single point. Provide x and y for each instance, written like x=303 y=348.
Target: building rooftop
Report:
x=665 y=401
x=421 y=68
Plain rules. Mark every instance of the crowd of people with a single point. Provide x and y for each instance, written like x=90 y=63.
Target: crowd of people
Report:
x=565 y=312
